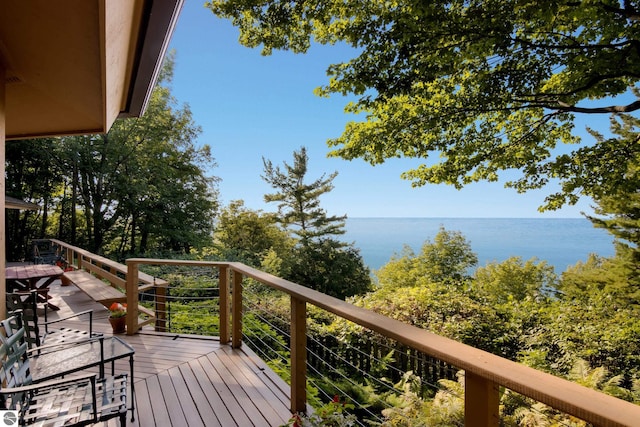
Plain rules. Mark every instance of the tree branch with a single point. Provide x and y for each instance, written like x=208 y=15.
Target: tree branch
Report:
x=561 y=106
x=628 y=12
x=574 y=46
x=594 y=80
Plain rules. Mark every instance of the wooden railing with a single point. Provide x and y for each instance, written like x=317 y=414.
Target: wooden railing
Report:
x=485 y=373
x=116 y=275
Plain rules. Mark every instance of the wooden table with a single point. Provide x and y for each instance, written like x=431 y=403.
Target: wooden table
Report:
x=30 y=277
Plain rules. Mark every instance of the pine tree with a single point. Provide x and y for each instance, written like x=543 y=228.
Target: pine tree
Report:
x=319 y=261
x=298 y=202
x=618 y=199
x=618 y=203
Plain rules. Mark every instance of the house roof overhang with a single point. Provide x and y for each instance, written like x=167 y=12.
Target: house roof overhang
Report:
x=74 y=66
x=13 y=203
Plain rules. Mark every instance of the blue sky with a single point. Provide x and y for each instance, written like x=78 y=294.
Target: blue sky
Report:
x=250 y=106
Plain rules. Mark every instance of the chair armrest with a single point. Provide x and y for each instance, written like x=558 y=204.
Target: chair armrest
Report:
x=44 y=349
x=81 y=313
x=51 y=383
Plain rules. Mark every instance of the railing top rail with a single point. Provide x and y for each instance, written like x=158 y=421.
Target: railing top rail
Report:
x=582 y=402
x=195 y=263
x=73 y=248
x=121 y=268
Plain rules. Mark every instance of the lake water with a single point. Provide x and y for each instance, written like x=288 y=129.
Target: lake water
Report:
x=560 y=242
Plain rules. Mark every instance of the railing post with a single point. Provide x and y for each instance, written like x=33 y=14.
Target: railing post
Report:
x=223 y=278
x=161 y=308
x=481 y=402
x=67 y=254
x=236 y=308
x=298 y=355
x=132 y=297
x=3 y=251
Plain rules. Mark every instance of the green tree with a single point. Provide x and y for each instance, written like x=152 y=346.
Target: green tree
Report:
x=519 y=292
x=329 y=266
x=32 y=174
x=616 y=276
x=592 y=328
x=433 y=290
x=482 y=86
x=617 y=208
x=318 y=261
x=298 y=202
x=444 y=310
x=448 y=258
x=249 y=236
x=592 y=318
x=140 y=185
x=512 y=280
x=169 y=201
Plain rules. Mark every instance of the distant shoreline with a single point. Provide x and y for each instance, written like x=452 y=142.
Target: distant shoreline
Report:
x=465 y=217
x=558 y=241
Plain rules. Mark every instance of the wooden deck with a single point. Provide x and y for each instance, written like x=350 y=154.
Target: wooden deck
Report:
x=189 y=380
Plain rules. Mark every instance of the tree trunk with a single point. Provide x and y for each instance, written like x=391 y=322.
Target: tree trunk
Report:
x=74 y=201
x=134 y=222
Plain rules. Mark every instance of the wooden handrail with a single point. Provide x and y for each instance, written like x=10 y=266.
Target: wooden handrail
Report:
x=484 y=372
x=116 y=274
x=74 y=253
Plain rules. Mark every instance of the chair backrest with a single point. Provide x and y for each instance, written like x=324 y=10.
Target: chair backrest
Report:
x=44 y=251
x=14 y=364
x=27 y=304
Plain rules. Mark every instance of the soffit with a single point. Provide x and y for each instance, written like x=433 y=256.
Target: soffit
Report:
x=13 y=203
x=73 y=66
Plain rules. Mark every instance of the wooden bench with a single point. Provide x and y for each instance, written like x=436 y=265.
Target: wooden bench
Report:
x=102 y=279
x=98 y=290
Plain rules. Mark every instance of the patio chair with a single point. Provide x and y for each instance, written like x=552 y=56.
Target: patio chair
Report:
x=44 y=251
x=27 y=304
x=76 y=401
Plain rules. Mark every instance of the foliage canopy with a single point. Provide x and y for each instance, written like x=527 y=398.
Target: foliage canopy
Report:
x=447 y=259
x=245 y=235
x=472 y=88
x=139 y=188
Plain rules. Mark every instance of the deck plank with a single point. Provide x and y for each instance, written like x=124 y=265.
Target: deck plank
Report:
x=143 y=403
x=222 y=415
x=255 y=389
x=239 y=392
x=159 y=410
x=184 y=398
x=199 y=400
x=225 y=393
x=187 y=380
x=171 y=399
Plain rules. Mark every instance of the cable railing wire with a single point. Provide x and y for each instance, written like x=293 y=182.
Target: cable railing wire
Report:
x=321 y=370
x=331 y=372
x=344 y=394
x=266 y=350
x=389 y=387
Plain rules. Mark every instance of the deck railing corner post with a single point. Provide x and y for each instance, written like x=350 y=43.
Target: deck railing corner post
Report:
x=160 y=308
x=298 y=355
x=481 y=401
x=132 y=297
x=236 y=308
x=223 y=278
